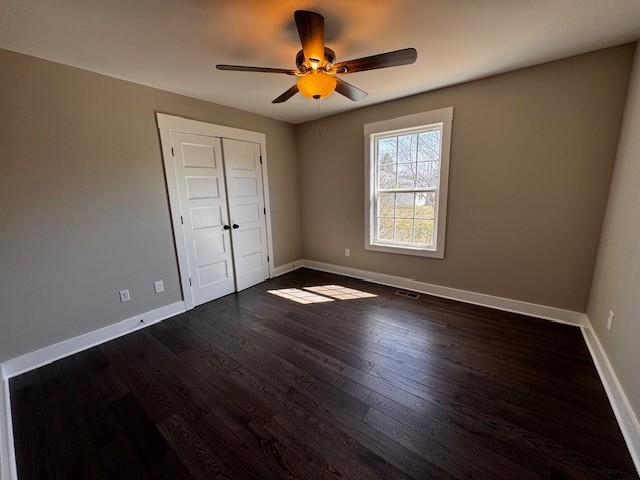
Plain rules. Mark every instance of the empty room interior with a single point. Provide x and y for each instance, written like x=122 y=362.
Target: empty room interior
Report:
x=350 y=239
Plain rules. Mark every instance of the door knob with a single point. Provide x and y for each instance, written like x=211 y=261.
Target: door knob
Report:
x=235 y=225
x=226 y=227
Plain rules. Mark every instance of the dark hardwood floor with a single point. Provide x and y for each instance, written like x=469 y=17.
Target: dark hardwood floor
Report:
x=258 y=386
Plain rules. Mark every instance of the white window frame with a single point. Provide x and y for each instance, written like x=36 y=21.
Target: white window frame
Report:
x=399 y=125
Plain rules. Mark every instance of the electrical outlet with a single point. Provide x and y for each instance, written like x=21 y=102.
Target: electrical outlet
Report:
x=347 y=252
x=610 y=320
x=125 y=296
x=158 y=286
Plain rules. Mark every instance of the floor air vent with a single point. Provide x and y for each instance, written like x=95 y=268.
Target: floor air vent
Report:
x=405 y=293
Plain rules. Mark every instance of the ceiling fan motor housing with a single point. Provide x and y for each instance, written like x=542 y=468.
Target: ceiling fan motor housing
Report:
x=329 y=60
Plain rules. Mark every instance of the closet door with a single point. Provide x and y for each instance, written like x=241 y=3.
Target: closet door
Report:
x=199 y=174
x=246 y=210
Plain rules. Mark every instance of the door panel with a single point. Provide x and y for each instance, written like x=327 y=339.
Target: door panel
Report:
x=199 y=172
x=246 y=210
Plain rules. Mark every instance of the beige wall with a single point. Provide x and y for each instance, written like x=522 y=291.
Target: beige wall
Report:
x=531 y=159
x=85 y=211
x=616 y=281
x=83 y=200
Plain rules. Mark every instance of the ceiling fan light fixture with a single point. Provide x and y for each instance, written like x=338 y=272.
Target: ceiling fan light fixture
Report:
x=316 y=84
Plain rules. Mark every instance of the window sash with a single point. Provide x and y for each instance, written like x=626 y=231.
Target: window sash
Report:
x=376 y=240
x=410 y=131
x=406 y=190
x=412 y=244
x=396 y=243
x=376 y=198
x=377 y=191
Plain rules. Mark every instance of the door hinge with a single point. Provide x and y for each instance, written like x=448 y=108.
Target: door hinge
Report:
x=189 y=281
x=265 y=210
x=172 y=154
x=267 y=258
x=181 y=220
x=260 y=159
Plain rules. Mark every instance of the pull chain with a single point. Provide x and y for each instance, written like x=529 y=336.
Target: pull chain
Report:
x=318 y=119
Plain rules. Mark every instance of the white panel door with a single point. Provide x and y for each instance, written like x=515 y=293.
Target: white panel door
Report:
x=246 y=210
x=199 y=172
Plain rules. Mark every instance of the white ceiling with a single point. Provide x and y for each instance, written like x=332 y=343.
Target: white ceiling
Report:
x=174 y=44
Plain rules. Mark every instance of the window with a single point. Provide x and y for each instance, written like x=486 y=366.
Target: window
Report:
x=407 y=165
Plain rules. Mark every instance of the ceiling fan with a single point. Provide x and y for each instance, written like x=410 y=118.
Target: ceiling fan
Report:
x=317 y=68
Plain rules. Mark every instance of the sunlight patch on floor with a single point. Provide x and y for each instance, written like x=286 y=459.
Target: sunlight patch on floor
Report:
x=300 y=296
x=340 y=293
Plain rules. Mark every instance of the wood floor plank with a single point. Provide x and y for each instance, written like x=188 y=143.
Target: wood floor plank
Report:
x=257 y=386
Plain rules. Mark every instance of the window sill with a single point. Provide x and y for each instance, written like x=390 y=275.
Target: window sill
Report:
x=436 y=253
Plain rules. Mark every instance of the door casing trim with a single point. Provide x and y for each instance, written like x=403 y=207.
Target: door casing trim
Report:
x=172 y=123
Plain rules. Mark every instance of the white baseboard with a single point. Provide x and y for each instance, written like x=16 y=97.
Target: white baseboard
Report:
x=507 y=304
x=287 y=267
x=627 y=418
x=31 y=360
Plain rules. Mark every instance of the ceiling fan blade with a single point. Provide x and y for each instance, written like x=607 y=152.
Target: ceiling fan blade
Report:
x=287 y=95
x=350 y=91
x=242 y=68
x=382 y=60
x=311 y=30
